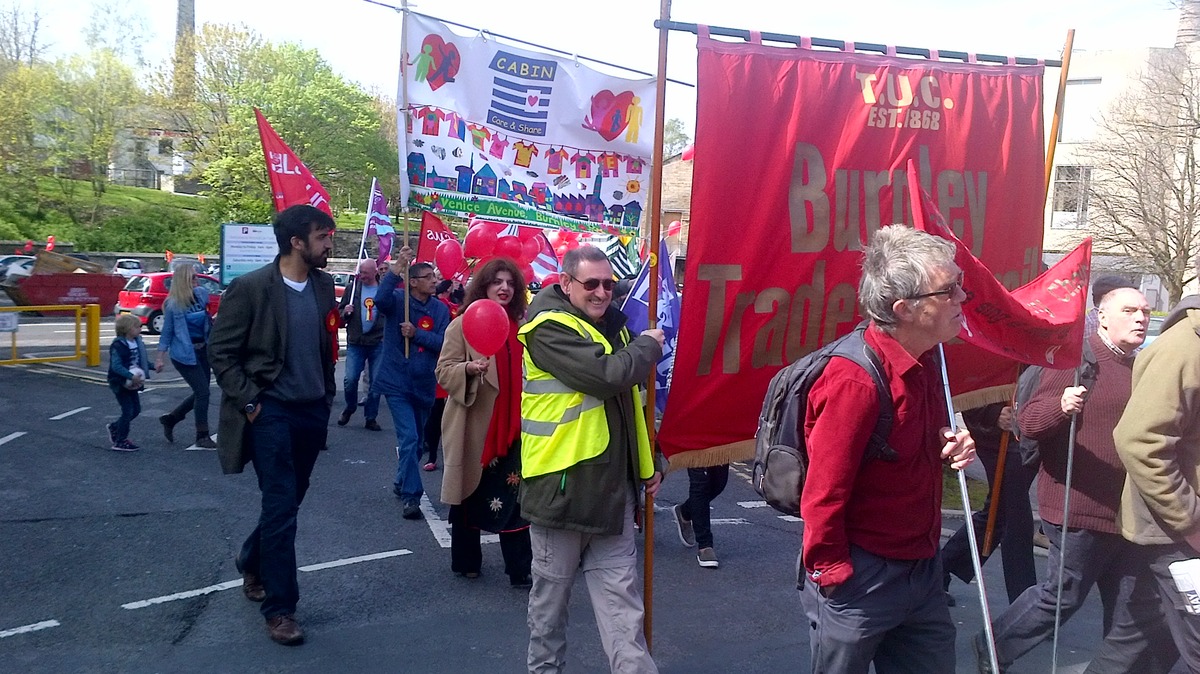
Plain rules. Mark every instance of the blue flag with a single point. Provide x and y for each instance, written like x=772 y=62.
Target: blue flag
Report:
x=637 y=309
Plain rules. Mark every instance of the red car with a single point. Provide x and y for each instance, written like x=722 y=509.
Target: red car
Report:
x=144 y=294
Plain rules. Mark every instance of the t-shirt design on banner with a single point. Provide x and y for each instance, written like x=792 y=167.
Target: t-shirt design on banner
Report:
x=500 y=131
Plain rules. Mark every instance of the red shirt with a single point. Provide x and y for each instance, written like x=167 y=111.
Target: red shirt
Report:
x=888 y=508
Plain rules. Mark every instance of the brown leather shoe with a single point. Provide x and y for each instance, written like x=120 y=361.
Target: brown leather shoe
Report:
x=285 y=630
x=252 y=587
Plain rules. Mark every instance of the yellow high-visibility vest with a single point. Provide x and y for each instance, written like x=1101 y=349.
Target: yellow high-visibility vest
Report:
x=560 y=426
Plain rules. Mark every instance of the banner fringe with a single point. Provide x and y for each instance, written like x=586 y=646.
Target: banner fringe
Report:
x=713 y=456
x=983 y=397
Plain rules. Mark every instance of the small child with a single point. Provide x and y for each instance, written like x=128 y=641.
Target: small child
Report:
x=128 y=368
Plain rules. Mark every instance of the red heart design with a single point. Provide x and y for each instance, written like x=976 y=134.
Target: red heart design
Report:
x=438 y=62
x=610 y=113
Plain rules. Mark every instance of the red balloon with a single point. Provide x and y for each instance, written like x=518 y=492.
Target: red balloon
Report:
x=530 y=249
x=527 y=272
x=485 y=326
x=561 y=250
x=479 y=242
x=555 y=238
x=572 y=244
x=493 y=227
x=448 y=256
x=527 y=233
x=508 y=246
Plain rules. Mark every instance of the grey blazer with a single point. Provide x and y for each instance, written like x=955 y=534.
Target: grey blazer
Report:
x=247 y=345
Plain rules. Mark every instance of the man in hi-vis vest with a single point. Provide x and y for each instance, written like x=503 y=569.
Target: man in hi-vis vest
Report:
x=585 y=452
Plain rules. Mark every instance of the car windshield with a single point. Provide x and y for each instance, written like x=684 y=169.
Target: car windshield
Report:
x=1155 y=326
x=129 y=264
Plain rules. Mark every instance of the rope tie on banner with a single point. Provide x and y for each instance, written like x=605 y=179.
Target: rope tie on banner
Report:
x=848 y=47
x=805 y=42
x=702 y=31
x=933 y=55
x=755 y=37
x=891 y=50
x=1012 y=60
x=971 y=58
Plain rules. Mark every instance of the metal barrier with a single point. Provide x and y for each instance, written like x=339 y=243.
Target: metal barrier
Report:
x=10 y=322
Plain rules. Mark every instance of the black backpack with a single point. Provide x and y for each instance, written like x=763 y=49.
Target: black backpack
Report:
x=780 y=457
x=1027 y=384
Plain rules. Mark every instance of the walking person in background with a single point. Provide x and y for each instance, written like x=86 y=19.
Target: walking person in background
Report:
x=186 y=326
x=693 y=518
x=364 y=342
x=408 y=380
x=128 y=368
x=482 y=432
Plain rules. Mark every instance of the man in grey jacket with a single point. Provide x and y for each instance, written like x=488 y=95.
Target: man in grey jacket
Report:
x=585 y=452
x=364 y=342
x=272 y=352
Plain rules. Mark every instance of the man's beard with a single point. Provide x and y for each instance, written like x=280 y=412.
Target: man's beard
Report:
x=315 y=261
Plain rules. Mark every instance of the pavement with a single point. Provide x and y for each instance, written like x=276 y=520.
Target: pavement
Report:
x=123 y=562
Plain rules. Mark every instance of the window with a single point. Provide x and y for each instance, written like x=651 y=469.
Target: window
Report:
x=1082 y=103
x=166 y=146
x=1071 y=187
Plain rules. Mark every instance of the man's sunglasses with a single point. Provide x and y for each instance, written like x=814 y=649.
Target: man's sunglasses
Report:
x=593 y=283
x=949 y=292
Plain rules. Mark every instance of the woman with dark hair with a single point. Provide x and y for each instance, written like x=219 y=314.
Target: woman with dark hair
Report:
x=481 y=432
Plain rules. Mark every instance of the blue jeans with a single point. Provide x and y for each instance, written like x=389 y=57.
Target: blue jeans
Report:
x=131 y=406
x=357 y=358
x=409 y=415
x=284 y=442
x=704 y=485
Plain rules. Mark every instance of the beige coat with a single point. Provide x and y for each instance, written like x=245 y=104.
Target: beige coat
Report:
x=468 y=413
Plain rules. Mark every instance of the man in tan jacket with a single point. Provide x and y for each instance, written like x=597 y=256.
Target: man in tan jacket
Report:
x=1158 y=440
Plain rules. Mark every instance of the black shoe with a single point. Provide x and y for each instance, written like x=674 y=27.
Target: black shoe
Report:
x=524 y=581
x=168 y=423
x=412 y=511
x=345 y=418
x=949 y=599
x=372 y=425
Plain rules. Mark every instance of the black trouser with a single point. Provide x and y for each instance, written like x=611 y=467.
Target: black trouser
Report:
x=704 y=485
x=1013 y=532
x=1135 y=636
x=131 y=407
x=433 y=428
x=284 y=441
x=197 y=377
x=466 y=549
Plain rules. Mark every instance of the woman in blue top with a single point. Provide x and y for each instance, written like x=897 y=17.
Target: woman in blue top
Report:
x=184 y=338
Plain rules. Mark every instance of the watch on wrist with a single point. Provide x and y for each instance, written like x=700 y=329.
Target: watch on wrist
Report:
x=250 y=407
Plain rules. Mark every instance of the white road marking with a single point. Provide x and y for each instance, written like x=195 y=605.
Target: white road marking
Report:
x=729 y=520
x=194 y=448
x=355 y=560
x=790 y=518
x=441 y=528
x=29 y=628
x=752 y=504
x=230 y=584
x=11 y=436
x=64 y=415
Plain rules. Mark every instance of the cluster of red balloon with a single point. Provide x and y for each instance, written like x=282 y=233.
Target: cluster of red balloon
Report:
x=484 y=242
x=562 y=241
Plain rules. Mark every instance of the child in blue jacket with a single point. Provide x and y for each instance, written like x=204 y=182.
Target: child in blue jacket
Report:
x=128 y=369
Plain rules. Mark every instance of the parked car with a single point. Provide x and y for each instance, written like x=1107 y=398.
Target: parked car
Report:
x=127 y=267
x=341 y=279
x=7 y=260
x=1153 y=329
x=144 y=294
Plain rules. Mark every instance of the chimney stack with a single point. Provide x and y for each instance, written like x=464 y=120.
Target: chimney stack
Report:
x=183 y=82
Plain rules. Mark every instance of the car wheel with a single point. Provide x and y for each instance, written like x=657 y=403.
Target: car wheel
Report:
x=154 y=324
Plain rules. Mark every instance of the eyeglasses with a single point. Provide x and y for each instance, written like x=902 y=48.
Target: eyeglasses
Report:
x=949 y=291
x=424 y=276
x=593 y=283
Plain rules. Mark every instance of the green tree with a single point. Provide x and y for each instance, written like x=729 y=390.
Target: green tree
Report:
x=334 y=126
x=675 y=137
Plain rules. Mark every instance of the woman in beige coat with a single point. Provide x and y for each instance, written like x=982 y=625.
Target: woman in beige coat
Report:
x=481 y=432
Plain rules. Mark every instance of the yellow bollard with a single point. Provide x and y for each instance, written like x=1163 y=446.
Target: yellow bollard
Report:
x=93 y=335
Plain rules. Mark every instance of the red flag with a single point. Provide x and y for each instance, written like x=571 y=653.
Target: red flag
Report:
x=1040 y=323
x=291 y=181
x=433 y=232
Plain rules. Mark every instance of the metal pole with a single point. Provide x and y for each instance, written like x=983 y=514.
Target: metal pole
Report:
x=656 y=170
x=402 y=118
x=966 y=499
x=1062 y=538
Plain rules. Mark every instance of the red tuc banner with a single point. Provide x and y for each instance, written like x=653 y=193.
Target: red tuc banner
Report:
x=291 y=181
x=800 y=155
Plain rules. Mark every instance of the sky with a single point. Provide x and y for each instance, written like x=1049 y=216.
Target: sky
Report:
x=361 y=40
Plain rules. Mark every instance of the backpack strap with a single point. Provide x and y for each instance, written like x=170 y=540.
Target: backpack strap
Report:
x=856 y=349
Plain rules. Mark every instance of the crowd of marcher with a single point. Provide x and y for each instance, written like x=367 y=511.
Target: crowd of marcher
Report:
x=545 y=443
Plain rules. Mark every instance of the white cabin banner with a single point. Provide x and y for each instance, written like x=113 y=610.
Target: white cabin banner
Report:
x=521 y=136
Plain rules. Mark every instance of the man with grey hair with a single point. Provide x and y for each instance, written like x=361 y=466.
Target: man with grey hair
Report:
x=872 y=586
x=585 y=453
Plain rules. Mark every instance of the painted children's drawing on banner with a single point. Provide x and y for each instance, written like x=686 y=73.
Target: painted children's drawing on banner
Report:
x=519 y=136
